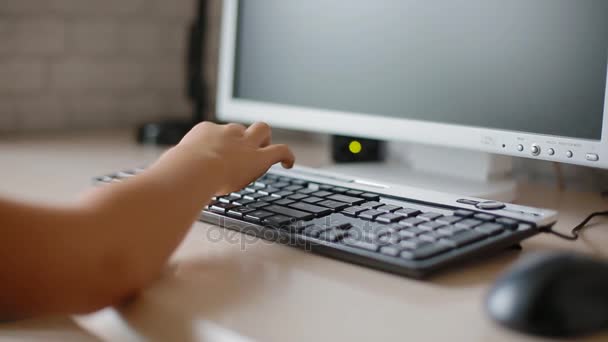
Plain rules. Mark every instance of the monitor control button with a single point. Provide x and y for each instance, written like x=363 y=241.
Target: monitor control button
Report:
x=569 y=154
x=551 y=152
x=520 y=148
x=592 y=157
x=535 y=149
x=490 y=205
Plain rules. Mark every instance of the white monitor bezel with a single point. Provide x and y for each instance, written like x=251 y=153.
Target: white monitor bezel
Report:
x=393 y=129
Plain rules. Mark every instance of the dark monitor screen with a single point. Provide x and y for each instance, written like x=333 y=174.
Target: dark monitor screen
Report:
x=536 y=66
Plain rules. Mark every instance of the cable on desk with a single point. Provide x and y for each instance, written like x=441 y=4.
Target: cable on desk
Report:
x=576 y=230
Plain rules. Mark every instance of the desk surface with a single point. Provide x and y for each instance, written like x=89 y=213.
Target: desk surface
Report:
x=221 y=285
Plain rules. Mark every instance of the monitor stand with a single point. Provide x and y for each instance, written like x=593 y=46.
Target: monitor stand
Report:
x=462 y=172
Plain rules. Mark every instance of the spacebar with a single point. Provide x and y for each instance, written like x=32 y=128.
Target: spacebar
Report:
x=300 y=215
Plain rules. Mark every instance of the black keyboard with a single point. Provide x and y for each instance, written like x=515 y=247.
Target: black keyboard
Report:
x=398 y=234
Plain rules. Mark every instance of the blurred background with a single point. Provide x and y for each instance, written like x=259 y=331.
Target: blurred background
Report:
x=76 y=64
x=100 y=64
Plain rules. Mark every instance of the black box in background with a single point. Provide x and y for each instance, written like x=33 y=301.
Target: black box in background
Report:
x=352 y=150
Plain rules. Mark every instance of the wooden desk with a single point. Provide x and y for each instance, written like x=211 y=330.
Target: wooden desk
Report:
x=240 y=288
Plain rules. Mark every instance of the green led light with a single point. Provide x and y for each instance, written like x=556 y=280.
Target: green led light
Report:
x=355 y=147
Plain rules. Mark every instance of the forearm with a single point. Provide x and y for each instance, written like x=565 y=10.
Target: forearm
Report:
x=102 y=249
x=151 y=213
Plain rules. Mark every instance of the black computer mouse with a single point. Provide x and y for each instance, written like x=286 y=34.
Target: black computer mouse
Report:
x=558 y=295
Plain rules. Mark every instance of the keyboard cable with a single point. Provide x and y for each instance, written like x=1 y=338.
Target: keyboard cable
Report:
x=574 y=234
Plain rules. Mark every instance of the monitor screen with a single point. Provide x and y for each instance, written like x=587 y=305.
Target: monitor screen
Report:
x=536 y=66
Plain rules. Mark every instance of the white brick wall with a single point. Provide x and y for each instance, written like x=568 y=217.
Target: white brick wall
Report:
x=92 y=63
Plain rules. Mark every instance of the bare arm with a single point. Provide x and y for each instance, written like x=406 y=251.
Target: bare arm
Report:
x=117 y=239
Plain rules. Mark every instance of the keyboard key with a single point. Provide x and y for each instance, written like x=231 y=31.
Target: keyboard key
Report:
x=411 y=222
x=485 y=217
x=268 y=191
x=450 y=230
x=222 y=208
x=347 y=199
x=271 y=176
x=389 y=208
x=333 y=235
x=268 y=199
x=448 y=219
x=228 y=199
x=258 y=205
x=354 y=193
x=392 y=250
x=307 y=191
x=314 y=209
x=425 y=252
x=242 y=201
x=256 y=185
x=282 y=194
x=369 y=231
x=257 y=216
x=297 y=197
x=463 y=213
x=370 y=197
x=430 y=226
x=334 y=221
x=367 y=245
x=408 y=212
x=371 y=205
x=314 y=186
x=410 y=232
x=314 y=230
x=300 y=182
x=389 y=218
x=284 y=202
x=322 y=193
x=370 y=214
x=490 y=228
x=339 y=190
x=390 y=238
x=430 y=236
x=326 y=187
x=263 y=183
x=312 y=200
x=413 y=243
x=281 y=185
x=508 y=223
x=293 y=188
x=254 y=196
x=334 y=205
x=278 y=221
x=239 y=212
x=241 y=193
x=430 y=216
x=285 y=179
x=524 y=226
x=352 y=211
x=300 y=215
x=393 y=227
x=468 y=223
x=463 y=238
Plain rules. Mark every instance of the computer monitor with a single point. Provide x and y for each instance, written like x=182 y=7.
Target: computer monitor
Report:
x=524 y=78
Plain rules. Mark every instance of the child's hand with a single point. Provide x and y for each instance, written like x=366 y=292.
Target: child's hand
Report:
x=238 y=154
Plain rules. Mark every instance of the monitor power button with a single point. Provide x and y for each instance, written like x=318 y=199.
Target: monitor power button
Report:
x=535 y=150
x=592 y=157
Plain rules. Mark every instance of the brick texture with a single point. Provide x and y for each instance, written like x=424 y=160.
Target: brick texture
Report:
x=89 y=63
